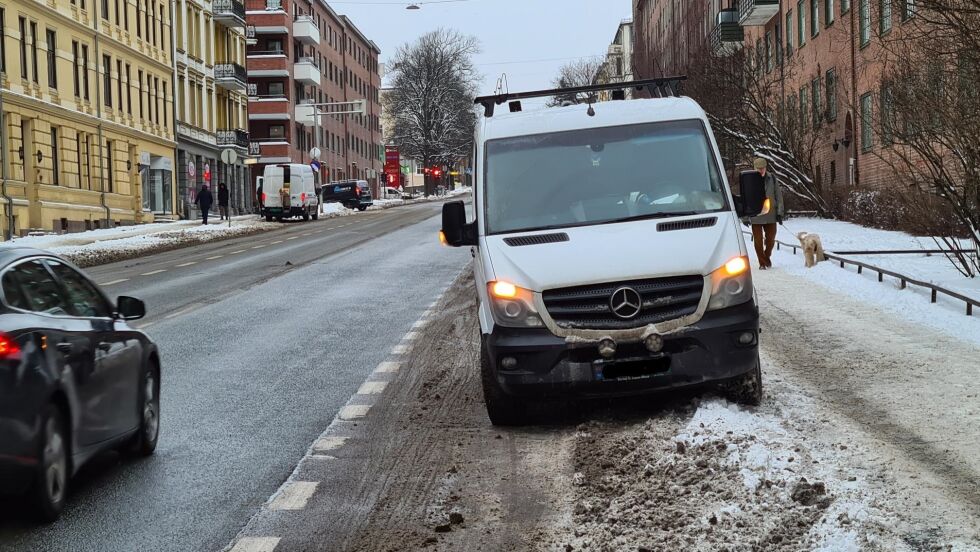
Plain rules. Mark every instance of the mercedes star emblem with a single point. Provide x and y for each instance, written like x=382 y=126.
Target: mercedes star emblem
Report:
x=626 y=303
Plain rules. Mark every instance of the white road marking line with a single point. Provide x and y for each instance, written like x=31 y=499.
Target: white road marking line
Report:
x=114 y=282
x=294 y=496
x=144 y=326
x=258 y=247
x=256 y=544
x=372 y=388
x=275 y=242
x=189 y=263
x=434 y=305
x=184 y=310
x=152 y=272
x=237 y=252
x=292 y=237
x=388 y=367
x=322 y=457
x=400 y=349
x=329 y=443
x=354 y=411
x=213 y=258
x=411 y=336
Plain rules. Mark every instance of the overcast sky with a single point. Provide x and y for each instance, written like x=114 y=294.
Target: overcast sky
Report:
x=527 y=39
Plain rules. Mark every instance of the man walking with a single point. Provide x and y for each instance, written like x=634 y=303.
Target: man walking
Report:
x=764 y=225
x=223 y=201
x=204 y=200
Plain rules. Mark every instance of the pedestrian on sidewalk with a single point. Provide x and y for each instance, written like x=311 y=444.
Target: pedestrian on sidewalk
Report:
x=258 y=199
x=204 y=200
x=223 y=201
x=764 y=226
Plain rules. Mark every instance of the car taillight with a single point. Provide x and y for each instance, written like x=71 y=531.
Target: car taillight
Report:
x=9 y=348
x=302 y=197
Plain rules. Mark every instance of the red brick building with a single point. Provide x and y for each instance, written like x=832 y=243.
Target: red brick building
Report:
x=830 y=52
x=304 y=52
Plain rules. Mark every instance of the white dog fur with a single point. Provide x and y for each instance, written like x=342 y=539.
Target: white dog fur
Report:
x=812 y=248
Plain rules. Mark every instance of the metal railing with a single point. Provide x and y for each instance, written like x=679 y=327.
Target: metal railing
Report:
x=232 y=137
x=904 y=280
x=229 y=8
x=230 y=71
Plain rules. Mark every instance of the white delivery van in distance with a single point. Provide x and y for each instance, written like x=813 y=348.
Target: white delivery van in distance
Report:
x=289 y=191
x=609 y=258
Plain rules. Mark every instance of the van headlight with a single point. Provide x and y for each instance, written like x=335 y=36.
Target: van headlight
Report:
x=513 y=306
x=731 y=284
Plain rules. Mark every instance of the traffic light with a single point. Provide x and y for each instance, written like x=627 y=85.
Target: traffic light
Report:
x=436 y=172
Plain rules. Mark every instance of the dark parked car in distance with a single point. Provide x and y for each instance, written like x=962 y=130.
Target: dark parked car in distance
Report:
x=353 y=194
x=75 y=378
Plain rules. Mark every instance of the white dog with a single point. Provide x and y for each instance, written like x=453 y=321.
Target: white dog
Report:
x=812 y=248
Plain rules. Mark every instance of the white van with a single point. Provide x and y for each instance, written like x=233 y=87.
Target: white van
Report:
x=609 y=258
x=390 y=193
x=289 y=191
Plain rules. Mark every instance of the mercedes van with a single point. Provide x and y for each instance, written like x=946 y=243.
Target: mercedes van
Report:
x=609 y=259
x=289 y=190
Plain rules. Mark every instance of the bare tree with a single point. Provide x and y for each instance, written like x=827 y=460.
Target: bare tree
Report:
x=431 y=99
x=581 y=72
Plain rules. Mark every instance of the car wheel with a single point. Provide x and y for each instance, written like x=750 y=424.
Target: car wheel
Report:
x=316 y=214
x=747 y=388
x=268 y=218
x=51 y=483
x=503 y=409
x=306 y=214
x=145 y=440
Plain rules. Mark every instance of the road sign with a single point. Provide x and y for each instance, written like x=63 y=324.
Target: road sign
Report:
x=191 y=169
x=315 y=153
x=229 y=156
x=315 y=165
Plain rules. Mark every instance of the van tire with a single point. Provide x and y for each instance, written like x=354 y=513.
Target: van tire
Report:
x=268 y=218
x=502 y=409
x=362 y=208
x=747 y=388
x=306 y=215
x=316 y=214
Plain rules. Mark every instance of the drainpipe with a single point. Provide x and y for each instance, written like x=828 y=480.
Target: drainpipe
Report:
x=98 y=112
x=855 y=100
x=173 y=83
x=3 y=186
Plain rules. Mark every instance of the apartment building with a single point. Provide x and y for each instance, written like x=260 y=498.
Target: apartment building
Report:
x=305 y=52
x=618 y=65
x=86 y=106
x=211 y=101
x=828 y=54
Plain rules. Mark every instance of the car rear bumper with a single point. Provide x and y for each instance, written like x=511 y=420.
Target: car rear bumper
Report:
x=706 y=352
x=18 y=456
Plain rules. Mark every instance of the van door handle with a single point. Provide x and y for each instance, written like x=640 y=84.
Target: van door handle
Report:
x=65 y=348
x=105 y=346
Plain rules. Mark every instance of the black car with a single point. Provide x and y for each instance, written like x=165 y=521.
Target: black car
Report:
x=353 y=194
x=75 y=378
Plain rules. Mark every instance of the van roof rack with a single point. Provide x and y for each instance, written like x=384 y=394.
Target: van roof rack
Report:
x=662 y=87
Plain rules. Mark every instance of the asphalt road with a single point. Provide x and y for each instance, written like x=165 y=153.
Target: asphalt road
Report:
x=263 y=340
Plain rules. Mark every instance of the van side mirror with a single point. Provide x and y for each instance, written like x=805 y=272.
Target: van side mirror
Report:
x=455 y=230
x=130 y=308
x=753 y=194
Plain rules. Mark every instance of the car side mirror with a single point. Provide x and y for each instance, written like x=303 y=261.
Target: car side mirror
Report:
x=455 y=230
x=130 y=308
x=752 y=200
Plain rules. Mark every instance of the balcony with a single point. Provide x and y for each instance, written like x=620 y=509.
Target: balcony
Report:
x=231 y=76
x=757 y=12
x=306 y=31
x=233 y=137
x=306 y=72
x=728 y=35
x=230 y=13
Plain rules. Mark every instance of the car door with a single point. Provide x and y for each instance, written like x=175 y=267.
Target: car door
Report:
x=118 y=352
x=31 y=287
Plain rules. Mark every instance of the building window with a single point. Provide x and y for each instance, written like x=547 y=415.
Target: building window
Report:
x=105 y=9
x=886 y=15
x=804 y=106
x=55 y=157
x=908 y=9
x=828 y=12
x=814 y=17
x=866 y=130
x=139 y=19
x=163 y=35
x=23 y=47
x=110 y=169
x=831 y=87
x=865 y=22
x=769 y=52
x=34 y=51
x=833 y=173
x=117 y=12
x=126 y=15
x=845 y=6
x=276 y=89
x=887 y=113
x=277 y=131
x=139 y=84
x=52 y=59
x=85 y=71
x=76 y=81
x=129 y=92
x=107 y=80
x=119 y=82
x=3 y=40
x=815 y=85
x=163 y=101
x=151 y=16
x=800 y=23
x=156 y=97
x=789 y=33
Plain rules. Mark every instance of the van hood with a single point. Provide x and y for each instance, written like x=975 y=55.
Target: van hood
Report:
x=615 y=252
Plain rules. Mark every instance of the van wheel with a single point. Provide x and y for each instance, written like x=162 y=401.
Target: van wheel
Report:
x=316 y=214
x=306 y=215
x=362 y=208
x=268 y=218
x=50 y=488
x=747 y=388
x=502 y=409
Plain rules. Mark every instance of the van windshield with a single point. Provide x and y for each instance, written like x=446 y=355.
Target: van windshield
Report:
x=600 y=175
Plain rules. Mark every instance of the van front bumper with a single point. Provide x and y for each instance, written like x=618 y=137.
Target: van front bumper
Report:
x=706 y=352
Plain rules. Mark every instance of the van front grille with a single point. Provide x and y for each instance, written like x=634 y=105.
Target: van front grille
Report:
x=591 y=307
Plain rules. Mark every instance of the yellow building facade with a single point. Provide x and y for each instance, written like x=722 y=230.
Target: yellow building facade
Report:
x=86 y=103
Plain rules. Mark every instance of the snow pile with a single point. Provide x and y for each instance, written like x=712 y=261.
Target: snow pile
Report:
x=727 y=479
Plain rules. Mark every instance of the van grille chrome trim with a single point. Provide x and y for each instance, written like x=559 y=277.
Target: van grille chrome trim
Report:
x=589 y=307
x=539 y=239
x=687 y=224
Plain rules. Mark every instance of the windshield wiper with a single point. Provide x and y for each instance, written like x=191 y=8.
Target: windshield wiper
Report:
x=654 y=216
